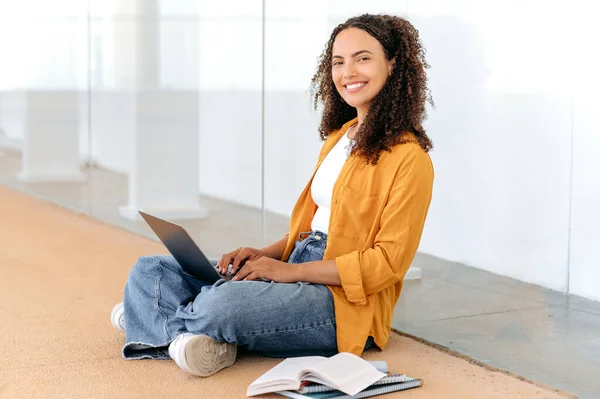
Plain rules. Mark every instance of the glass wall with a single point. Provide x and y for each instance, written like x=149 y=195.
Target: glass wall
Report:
x=107 y=107
x=178 y=132
x=43 y=80
x=199 y=111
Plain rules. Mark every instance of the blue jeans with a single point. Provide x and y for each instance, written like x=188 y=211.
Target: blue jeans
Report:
x=277 y=319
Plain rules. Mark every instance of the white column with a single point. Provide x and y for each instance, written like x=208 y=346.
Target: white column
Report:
x=163 y=178
x=51 y=142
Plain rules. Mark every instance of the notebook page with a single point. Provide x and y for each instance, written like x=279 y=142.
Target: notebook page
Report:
x=287 y=370
x=347 y=372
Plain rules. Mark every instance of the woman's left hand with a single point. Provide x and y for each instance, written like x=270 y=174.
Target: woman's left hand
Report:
x=268 y=269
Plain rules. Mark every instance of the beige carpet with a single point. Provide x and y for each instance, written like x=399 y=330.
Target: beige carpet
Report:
x=60 y=275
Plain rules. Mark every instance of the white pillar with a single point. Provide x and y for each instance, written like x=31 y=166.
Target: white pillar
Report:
x=51 y=142
x=163 y=178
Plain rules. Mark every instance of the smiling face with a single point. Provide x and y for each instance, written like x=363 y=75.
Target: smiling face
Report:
x=359 y=68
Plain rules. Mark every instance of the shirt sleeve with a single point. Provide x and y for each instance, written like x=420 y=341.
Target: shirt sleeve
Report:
x=366 y=272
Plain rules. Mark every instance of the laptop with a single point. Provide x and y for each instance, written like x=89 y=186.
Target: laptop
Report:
x=184 y=249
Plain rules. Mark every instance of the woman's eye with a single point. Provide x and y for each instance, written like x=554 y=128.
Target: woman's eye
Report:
x=363 y=59
x=336 y=63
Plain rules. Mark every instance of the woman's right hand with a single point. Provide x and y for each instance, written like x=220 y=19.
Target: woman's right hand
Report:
x=238 y=258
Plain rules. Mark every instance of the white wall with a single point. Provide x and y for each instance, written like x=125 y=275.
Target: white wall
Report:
x=585 y=211
x=502 y=149
x=585 y=194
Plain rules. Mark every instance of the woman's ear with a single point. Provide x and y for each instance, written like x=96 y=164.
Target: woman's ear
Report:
x=391 y=65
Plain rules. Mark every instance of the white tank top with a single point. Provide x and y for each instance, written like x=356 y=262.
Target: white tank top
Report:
x=324 y=180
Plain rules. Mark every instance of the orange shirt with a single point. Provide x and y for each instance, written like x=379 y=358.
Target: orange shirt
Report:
x=377 y=217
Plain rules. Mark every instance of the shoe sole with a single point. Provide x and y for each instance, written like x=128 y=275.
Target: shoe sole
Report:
x=113 y=317
x=204 y=356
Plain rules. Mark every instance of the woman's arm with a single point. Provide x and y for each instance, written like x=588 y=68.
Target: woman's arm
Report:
x=242 y=255
x=319 y=272
x=276 y=249
x=272 y=268
x=400 y=227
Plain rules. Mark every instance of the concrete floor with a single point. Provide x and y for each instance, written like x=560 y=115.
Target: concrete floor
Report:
x=534 y=332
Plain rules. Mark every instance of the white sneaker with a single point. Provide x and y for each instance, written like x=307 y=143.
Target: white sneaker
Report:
x=200 y=354
x=117 y=317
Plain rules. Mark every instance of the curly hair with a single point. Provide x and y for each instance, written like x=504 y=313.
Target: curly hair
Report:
x=398 y=109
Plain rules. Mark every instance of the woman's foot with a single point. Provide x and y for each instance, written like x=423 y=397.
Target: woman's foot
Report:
x=201 y=355
x=117 y=317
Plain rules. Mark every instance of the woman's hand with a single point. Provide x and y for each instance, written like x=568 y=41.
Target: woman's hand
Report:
x=269 y=269
x=238 y=258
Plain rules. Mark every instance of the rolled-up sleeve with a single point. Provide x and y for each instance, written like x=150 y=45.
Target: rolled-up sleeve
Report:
x=366 y=272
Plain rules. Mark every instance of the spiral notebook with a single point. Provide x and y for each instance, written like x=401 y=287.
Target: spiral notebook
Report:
x=391 y=383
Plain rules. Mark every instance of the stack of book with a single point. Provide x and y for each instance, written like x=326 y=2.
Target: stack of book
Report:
x=343 y=376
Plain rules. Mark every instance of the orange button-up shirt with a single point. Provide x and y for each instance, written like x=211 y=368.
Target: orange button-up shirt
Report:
x=377 y=218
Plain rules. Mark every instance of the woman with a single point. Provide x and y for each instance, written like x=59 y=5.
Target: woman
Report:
x=336 y=277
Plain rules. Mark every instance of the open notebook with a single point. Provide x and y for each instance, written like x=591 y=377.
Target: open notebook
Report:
x=341 y=376
x=345 y=372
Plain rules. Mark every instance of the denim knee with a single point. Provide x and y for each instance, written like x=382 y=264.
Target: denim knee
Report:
x=148 y=266
x=213 y=312
x=214 y=304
